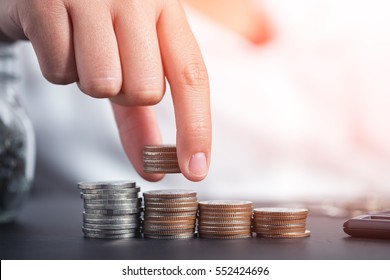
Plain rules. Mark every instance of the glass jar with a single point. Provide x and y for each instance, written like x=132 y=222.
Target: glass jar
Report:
x=17 y=142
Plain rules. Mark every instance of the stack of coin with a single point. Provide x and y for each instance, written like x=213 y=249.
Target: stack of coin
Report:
x=111 y=209
x=170 y=214
x=160 y=159
x=225 y=219
x=280 y=222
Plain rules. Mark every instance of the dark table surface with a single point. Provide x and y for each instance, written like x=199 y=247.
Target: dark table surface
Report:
x=49 y=227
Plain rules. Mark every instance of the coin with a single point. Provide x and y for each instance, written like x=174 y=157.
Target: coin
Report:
x=280 y=222
x=109 y=231
x=112 y=211
x=160 y=159
x=131 y=195
x=129 y=201
x=112 y=206
x=170 y=200
x=225 y=219
x=223 y=204
x=278 y=212
x=169 y=193
x=225 y=223
x=287 y=235
x=106 y=185
x=154 y=227
x=171 y=204
x=159 y=155
x=110 y=221
x=173 y=236
x=161 y=169
x=112 y=191
x=170 y=213
x=160 y=148
x=111 y=226
x=110 y=236
x=102 y=216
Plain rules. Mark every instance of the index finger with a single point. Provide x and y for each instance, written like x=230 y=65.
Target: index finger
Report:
x=188 y=79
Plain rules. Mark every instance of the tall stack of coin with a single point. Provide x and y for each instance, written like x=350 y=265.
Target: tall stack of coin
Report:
x=225 y=219
x=111 y=209
x=280 y=222
x=170 y=214
x=160 y=159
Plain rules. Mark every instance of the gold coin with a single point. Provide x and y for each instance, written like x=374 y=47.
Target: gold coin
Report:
x=168 y=232
x=269 y=221
x=261 y=230
x=170 y=200
x=261 y=225
x=171 y=204
x=236 y=204
x=154 y=227
x=173 y=218
x=174 y=236
x=223 y=232
x=169 y=193
x=159 y=155
x=224 y=223
x=279 y=211
x=287 y=235
x=160 y=148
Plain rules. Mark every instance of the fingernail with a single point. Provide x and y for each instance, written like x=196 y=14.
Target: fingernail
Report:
x=198 y=164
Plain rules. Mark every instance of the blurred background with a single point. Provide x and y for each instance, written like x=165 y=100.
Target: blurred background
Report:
x=300 y=94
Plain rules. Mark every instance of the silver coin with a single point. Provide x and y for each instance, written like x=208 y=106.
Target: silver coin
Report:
x=111 y=236
x=131 y=195
x=114 y=201
x=110 y=221
x=106 y=185
x=111 y=191
x=111 y=226
x=102 y=216
x=111 y=206
x=111 y=231
x=113 y=211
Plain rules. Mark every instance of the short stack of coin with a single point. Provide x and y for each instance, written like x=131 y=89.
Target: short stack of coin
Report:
x=160 y=159
x=111 y=209
x=280 y=222
x=225 y=219
x=170 y=214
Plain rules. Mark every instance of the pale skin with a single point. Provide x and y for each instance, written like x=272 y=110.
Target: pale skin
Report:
x=123 y=50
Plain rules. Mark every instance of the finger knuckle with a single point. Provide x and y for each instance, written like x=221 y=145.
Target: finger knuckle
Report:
x=145 y=95
x=101 y=87
x=194 y=74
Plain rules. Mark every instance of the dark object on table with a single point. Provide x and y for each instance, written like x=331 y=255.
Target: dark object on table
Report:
x=375 y=225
